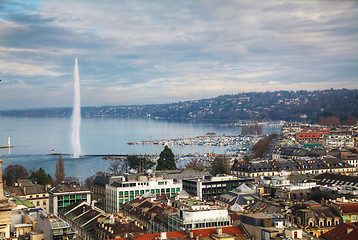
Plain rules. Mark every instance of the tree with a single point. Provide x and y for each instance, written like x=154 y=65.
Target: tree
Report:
x=247 y=158
x=220 y=165
x=332 y=121
x=60 y=170
x=166 y=160
x=12 y=173
x=118 y=166
x=40 y=177
x=73 y=180
x=140 y=164
x=89 y=181
x=195 y=164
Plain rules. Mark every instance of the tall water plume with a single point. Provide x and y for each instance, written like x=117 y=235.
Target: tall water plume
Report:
x=76 y=113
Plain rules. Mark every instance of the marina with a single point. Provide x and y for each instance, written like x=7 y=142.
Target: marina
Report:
x=233 y=142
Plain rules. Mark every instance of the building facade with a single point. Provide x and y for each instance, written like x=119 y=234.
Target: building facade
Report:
x=197 y=217
x=53 y=227
x=339 y=140
x=210 y=187
x=66 y=194
x=123 y=189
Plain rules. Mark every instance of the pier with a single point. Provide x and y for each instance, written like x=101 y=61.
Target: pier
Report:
x=8 y=144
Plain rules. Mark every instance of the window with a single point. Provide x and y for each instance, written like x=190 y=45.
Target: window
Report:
x=44 y=203
x=37 y=203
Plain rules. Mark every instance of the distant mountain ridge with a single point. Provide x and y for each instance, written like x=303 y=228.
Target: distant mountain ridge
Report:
x=258 y=106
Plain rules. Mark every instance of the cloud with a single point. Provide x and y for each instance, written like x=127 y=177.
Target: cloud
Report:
x=159 y=51
x=27 y=69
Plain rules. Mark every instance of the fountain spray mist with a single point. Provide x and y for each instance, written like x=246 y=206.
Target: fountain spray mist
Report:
x=76 y=113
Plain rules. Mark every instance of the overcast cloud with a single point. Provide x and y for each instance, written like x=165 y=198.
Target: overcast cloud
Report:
x=143 y=52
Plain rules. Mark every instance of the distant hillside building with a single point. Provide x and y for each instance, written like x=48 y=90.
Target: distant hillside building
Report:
x=339 y=140
x=310 y=136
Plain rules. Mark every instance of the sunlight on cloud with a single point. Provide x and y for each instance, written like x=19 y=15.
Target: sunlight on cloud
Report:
x=27 y=69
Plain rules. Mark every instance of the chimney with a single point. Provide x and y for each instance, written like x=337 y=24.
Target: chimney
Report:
x=163 y=236
x=219 y=231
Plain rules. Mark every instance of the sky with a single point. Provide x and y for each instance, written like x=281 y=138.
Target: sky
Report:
x=149 y=52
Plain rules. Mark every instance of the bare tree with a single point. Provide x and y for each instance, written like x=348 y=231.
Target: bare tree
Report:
x=118 y=166
x=220 y=165
x=12 y=173
x=89 y=181
x=195 y=164
x=60 y=170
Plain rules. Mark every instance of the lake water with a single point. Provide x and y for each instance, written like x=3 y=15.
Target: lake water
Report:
x=34 y=138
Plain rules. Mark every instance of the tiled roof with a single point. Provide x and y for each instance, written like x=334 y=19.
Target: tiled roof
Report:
x=236 y=231
x=100 y=181
x=35 y=190
x=15 y=191
x=329 y=178
x=65 y=187
x=349 y=208
x=344 y=231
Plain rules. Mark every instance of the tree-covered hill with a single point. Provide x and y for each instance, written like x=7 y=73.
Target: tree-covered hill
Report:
x=267 y=106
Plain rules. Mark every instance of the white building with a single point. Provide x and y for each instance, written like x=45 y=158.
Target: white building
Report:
x=339 y=140
x=65 y=194
x=196 y=217
x=123 y=189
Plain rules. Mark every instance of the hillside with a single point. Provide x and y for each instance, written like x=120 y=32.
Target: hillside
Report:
x=266 y=106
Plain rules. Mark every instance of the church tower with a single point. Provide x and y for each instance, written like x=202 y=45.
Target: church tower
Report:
x=5 y=210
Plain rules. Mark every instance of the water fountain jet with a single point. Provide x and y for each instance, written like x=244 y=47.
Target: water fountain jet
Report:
x=76 y=113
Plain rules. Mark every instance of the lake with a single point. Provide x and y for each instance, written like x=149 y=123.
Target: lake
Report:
x=34 y=138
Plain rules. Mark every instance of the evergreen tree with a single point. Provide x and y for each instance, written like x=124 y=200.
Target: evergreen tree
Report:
x=166 y=160
x=40 y=177
x=60 y=170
